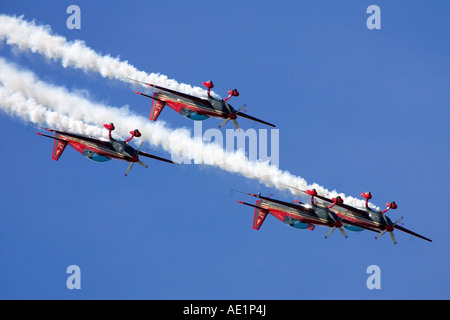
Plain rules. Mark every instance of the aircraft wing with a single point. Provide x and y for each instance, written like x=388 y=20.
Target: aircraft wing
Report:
x=52 y=137
x=411 y=232
x=285 y=203
x=296 y=216
x=293 y=206
x=79 y=137
x=148 y=155
x=244 y=115
x=346 y=208
x=254 y=206
x=358 y=225
x=184 y=95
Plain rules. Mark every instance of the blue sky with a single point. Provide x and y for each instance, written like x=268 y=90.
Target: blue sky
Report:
x=356 y=109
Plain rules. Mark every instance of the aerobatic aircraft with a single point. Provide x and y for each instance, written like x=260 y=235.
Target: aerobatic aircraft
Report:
x=298 y=215
x=367 y=217
x=100 y=150
x=196 y=108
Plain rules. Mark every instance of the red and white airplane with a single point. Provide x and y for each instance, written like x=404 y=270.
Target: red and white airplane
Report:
x=298 y=215
x=367 y=218
x=100 y=150
x=196 y=108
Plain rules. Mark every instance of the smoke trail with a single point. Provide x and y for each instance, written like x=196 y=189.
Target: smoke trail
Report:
x=22 y=94
x=38 y=39
x=16 y=104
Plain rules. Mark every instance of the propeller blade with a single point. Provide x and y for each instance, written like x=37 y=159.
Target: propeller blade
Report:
x=234 y=120
x=224 y=123
x=390 y=232
x=343 y=233
x=236 y=124
x=129 y=168
x=241 y=108
x=385 y=218
x=132 y=163
x=392 y=236
x=142 y=164
x=330 y=232
x=228 y=107
x=380 y=234
x=139 y=161
x=395 y=223
x=331 y=216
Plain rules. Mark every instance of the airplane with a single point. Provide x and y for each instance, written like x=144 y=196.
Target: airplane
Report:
x=367 y=217
x=100 y=150
x=299 y=215
x=196 y=108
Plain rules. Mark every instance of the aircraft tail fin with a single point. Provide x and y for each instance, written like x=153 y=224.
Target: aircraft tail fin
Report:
x=157 y=105
x=259 y=216
x=260 y=213
x=58 y=147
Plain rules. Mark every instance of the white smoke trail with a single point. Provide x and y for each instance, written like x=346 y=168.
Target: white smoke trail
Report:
x=23 y=95
x=16 y=104
x=38 y=39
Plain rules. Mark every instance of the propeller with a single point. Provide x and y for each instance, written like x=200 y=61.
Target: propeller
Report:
x=129 y=168
x=334 y=228
x=390 y=225
x=389 y=229
x=337 y=200
x=139 y=161
x=233 y=116
x=336 y=224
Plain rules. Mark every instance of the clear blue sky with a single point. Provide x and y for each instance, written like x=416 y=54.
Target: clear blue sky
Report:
x=357 y=110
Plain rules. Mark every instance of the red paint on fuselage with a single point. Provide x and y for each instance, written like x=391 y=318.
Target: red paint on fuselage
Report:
x=209 y=112
x=79 y=147
x=281 y=215
x=361 y=221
